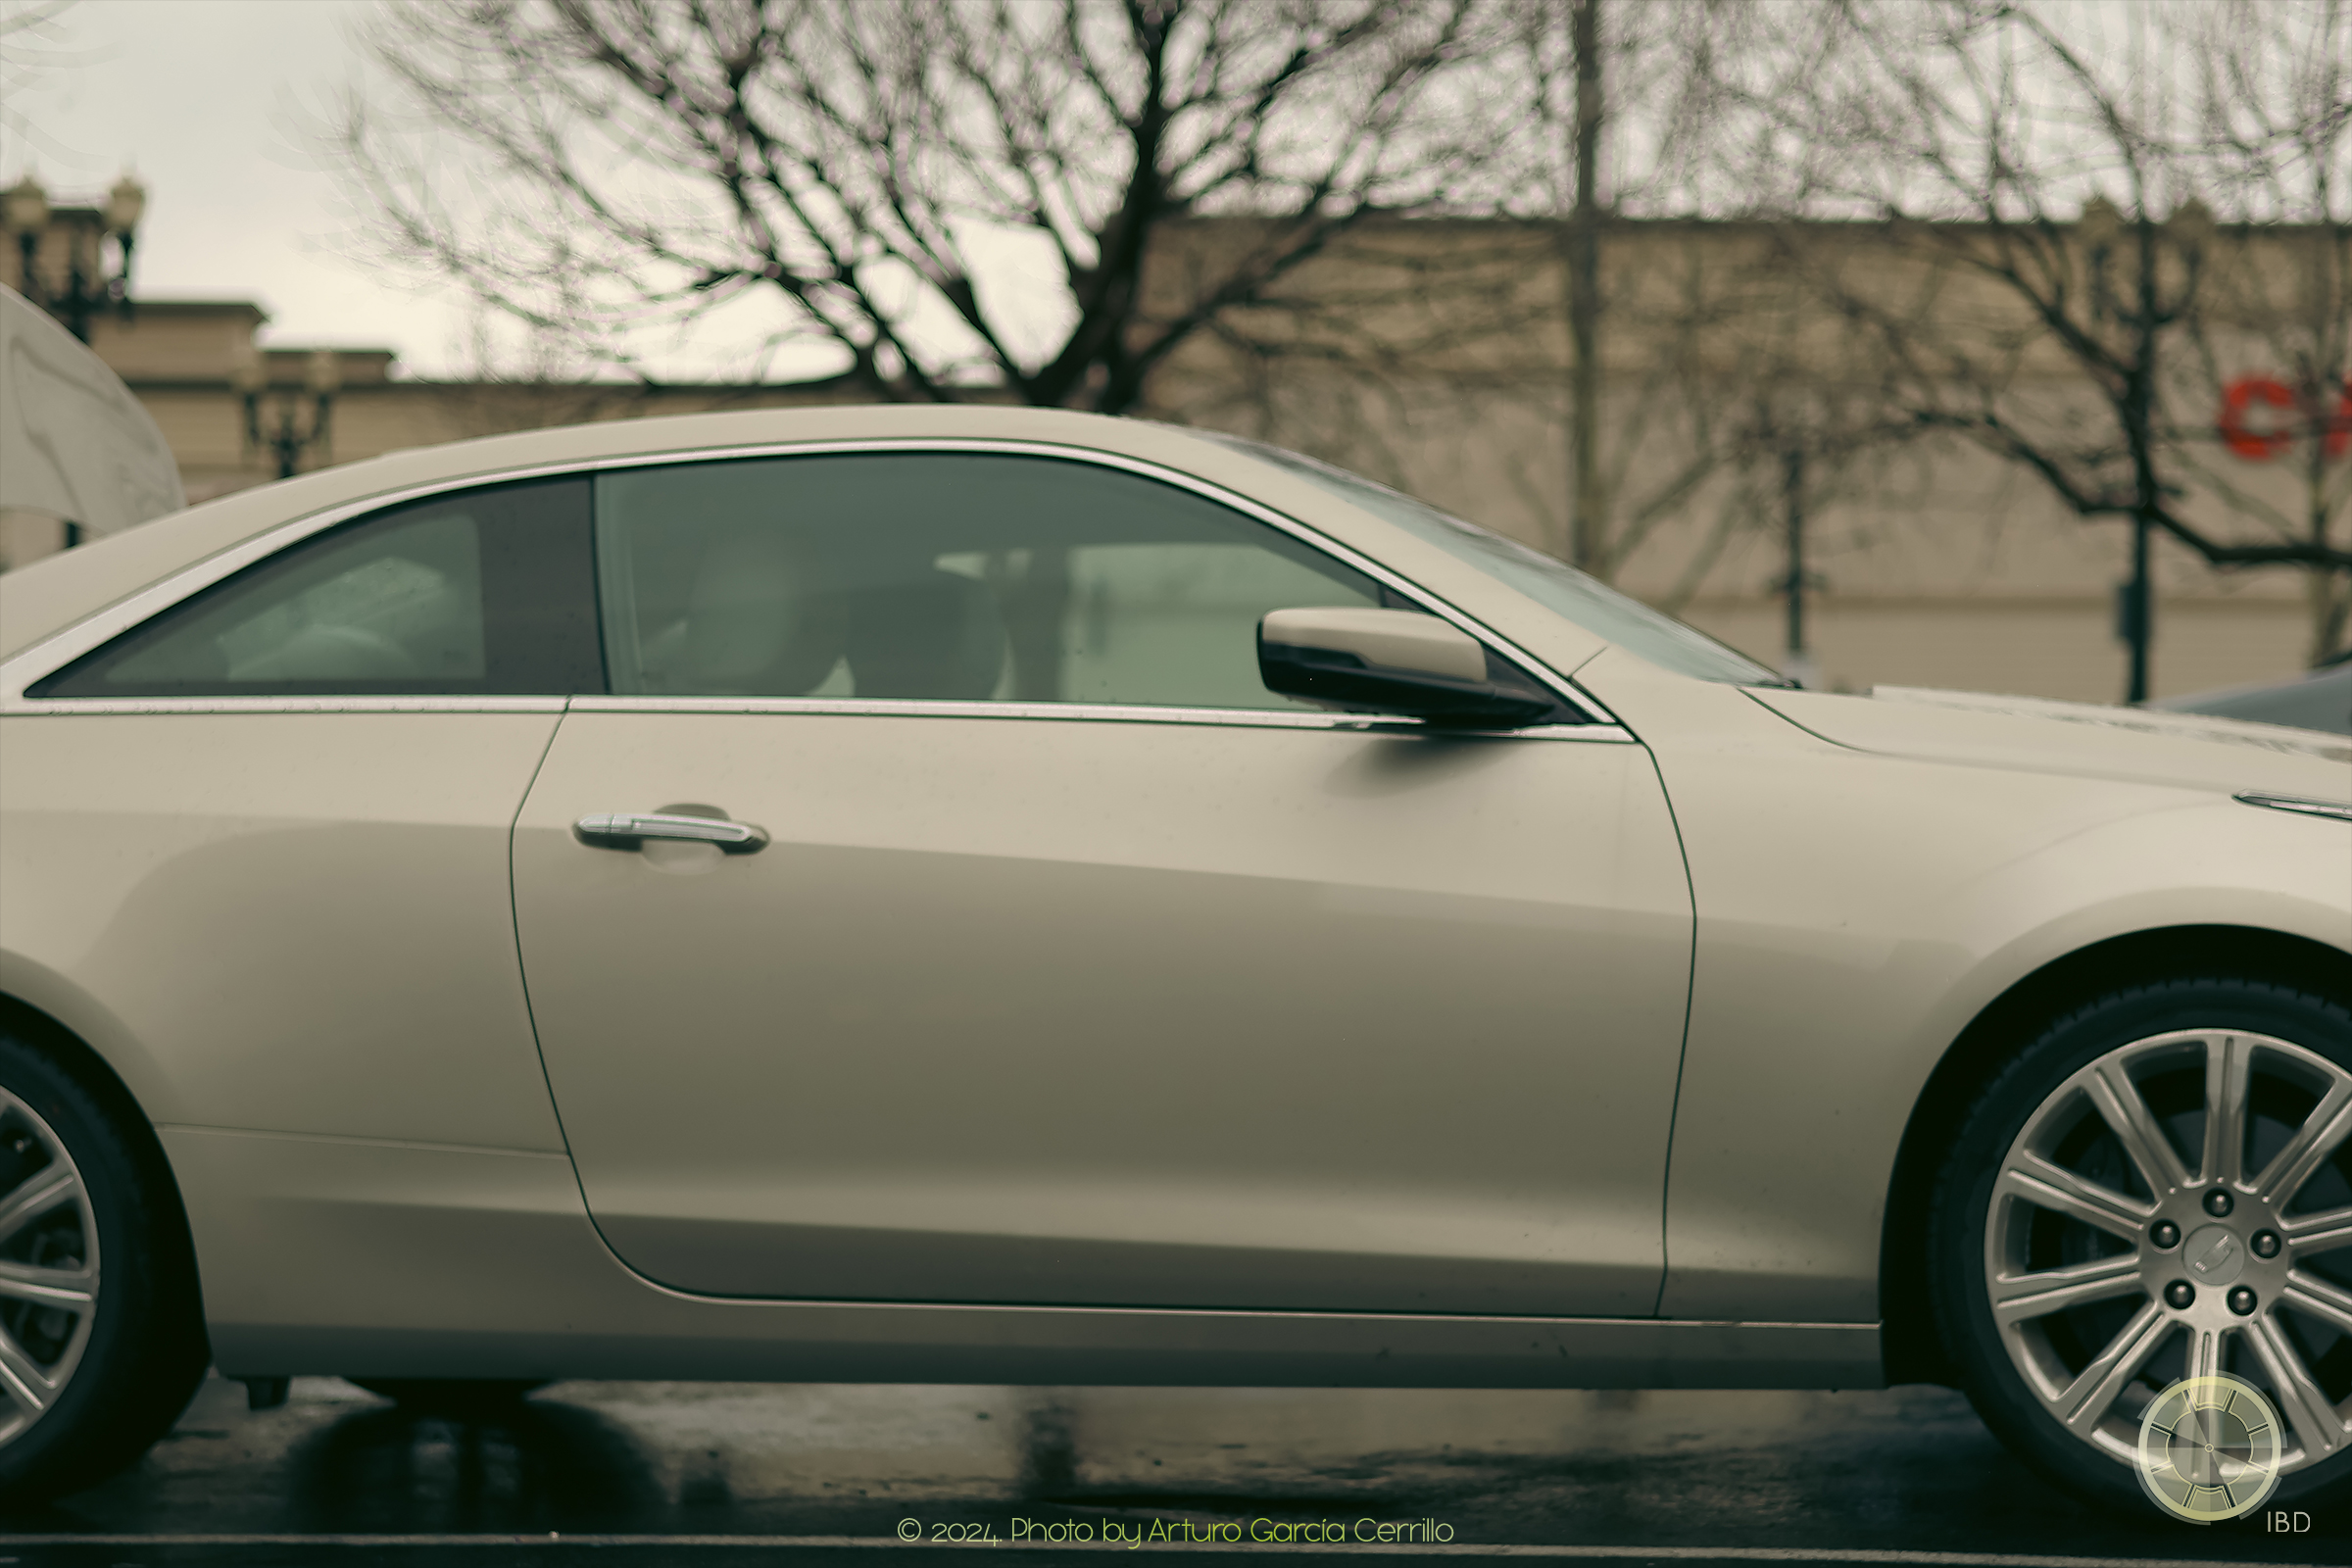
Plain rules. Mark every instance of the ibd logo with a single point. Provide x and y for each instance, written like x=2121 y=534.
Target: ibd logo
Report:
x=2209 y=1447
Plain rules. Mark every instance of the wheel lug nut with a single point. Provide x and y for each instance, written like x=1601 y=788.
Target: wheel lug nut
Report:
x=2216 y=1203
x=2179 y=1294
x=2165 y=1233
x=2242 y=1302
x=2266 y=1244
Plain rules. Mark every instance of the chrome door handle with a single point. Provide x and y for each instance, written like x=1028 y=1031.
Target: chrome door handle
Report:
x=626 y=830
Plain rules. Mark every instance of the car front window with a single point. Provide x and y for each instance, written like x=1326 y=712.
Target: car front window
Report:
x=944 y=576
x=1594 y=606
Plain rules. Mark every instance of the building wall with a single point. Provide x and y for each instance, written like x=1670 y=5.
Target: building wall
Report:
x=1933 y=562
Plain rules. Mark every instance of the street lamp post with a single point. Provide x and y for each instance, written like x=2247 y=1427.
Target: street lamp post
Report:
x=2138 y=309
x=282 y=433
x=87 y=287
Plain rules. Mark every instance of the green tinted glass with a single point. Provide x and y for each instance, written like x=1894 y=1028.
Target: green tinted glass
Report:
x=942 y=576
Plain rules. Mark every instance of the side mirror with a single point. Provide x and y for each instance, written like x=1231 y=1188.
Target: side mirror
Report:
x=1393 y=662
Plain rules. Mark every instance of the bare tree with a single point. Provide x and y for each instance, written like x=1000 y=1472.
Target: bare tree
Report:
x=2037 y=231
x=2273 y=333
x=953 y=200
x=1215 y=210
x=1562 y=298
x=1627 y=100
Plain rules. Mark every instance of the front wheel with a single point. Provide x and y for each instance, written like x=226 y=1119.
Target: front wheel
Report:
x=2159 y=1187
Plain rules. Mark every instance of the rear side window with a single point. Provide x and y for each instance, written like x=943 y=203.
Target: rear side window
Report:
x=487 y=592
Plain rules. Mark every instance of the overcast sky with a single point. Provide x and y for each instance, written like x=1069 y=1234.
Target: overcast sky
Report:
x=216 y=105
x=211 y=103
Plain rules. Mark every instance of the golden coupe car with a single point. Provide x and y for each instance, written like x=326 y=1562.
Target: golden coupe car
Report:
x=995 y=896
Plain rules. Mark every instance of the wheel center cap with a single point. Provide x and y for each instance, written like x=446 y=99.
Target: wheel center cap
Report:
x=2214 y=1254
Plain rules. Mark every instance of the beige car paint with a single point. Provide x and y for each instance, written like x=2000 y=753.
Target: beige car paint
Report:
x=1860 y=897
x=421 y=1261
x=1122 y=1012
x=1856 y=909
x=2133 y=745
x=284 y=920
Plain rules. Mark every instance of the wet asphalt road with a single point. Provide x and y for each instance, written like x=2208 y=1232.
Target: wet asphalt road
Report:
x=741 y=1474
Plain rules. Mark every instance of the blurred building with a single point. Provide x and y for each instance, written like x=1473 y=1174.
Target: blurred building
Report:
x=1434 y=356
x=238 y=414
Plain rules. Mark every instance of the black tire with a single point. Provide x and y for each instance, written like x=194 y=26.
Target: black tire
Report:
x=1961 y=1216
x=143 y=1351
x=453 y=1397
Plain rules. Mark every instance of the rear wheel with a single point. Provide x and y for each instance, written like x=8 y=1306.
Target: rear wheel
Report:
x=2159 y=1187
x=101 y=1334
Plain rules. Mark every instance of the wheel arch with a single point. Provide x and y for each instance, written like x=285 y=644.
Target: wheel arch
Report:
x=60 y=1045
x=1912 y=1351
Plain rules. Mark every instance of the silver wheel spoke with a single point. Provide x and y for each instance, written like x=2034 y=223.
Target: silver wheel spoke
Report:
x=2055 y=1187
x=2206 y=1349
x=2228 y=1072
x=22 y=1378
x=2321 y=1299
x=2319 y=1232
x=70 y=1288
x=2119 y=1106
x=2086 y=1399
x=45 y=1221
x=42 y=1192
x=2316 y=1139
x=2297 y=1396
x=2016 y=1297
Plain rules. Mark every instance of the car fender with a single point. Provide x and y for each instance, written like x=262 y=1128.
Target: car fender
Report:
x=1855 y=913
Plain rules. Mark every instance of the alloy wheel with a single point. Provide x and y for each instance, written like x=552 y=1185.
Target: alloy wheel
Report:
x=48 y=1267
x=2179 y=1206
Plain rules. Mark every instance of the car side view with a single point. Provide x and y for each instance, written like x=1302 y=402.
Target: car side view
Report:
x=997 y=896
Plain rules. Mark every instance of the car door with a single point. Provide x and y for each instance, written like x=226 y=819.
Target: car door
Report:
x=1062 y=962
x=270 y=822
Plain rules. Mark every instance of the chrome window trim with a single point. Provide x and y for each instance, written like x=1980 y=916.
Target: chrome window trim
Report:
x=1098 y=713
x=2303 y=804
x=93 y=706
x=55 y=652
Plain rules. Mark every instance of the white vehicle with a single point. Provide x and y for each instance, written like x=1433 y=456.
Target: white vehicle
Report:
x=76 y=448
x=983 y=895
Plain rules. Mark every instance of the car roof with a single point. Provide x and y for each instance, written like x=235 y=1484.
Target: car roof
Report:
x=51 y=594
x=54 y=594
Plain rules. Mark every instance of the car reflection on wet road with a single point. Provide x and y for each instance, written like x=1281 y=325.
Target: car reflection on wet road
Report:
x=1898 y=1475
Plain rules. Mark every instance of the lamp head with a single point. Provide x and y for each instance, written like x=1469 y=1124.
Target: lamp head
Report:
x=125 y=205
x=248 y=375
x=323 y=373
x=25 y=207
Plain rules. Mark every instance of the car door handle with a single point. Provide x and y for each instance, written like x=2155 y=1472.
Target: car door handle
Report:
x=626 y=830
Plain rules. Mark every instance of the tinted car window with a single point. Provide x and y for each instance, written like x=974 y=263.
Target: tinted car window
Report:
x=486 y=592
x=942 y=576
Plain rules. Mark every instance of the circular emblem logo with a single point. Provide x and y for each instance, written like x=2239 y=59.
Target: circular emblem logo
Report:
x=2209 y=1449
x=2214 y=1254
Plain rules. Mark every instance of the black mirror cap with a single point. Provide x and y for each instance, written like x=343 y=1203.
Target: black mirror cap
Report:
x=1344 y=681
